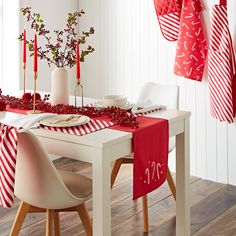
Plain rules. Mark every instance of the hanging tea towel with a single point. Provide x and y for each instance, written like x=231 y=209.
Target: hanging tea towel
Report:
x=192 y=44
x=221 y=62
x=168 y=14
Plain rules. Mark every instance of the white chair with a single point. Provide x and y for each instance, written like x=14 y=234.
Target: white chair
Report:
x=167 y=95
x=41 y=188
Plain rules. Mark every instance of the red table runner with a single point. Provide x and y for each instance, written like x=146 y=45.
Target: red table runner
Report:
x=150 y=146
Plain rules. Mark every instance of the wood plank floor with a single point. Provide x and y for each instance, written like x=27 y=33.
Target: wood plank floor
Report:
x=213 y=209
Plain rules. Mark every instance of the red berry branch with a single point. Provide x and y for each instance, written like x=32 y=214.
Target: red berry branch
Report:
x=115 y=114
x=63 y=51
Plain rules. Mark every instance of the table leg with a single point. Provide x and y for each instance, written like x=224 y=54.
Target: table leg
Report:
x=101 y=193
x=182 y=182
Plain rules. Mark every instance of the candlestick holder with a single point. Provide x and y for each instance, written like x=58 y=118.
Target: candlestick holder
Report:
x=24 y=71
x=34 y=111
x=77 y=87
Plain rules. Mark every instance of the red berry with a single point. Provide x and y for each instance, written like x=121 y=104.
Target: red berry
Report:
x=38 y=96
x=2 y=105
x=26 y=96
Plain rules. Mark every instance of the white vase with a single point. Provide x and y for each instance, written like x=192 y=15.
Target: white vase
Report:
x=59 y=86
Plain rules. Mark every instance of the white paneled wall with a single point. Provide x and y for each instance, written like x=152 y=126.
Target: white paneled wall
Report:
x=9 y=47
x=1 y=26
x=133 y=51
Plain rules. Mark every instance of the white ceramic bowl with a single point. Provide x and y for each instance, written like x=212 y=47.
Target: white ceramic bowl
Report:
x=114 y=100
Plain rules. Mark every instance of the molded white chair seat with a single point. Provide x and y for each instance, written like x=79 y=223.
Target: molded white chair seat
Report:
x=41 y=188
x=79 y=185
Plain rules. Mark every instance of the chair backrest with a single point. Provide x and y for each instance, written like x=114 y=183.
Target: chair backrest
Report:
x=37 y=181
x=167 y=95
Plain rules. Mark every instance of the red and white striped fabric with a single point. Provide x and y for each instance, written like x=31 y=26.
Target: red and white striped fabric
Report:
x=8 y=152
x=168 y=14
x=170 y=26
x=221 y=62
x=92 y=126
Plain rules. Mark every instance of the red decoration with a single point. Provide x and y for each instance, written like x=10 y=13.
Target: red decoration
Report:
x=38 y=96
x=192 y=44
x=2 y=105
x=114 y=114
x=26 y=96
x=77 y=62
x=35 y=53
x=24 y=47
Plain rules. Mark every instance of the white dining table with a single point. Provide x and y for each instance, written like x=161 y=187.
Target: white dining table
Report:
x=101 y=148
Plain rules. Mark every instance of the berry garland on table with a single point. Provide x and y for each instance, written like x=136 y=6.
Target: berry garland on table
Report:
x=115 y=114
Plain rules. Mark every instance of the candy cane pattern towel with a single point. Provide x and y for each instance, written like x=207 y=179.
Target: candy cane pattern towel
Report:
x=192 y=44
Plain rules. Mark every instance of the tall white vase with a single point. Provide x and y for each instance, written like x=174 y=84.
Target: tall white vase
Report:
x=59 y=87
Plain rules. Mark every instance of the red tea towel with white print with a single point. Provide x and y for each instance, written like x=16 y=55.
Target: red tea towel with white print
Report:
x=168 y=15
x=192 y=44
x=221 y=62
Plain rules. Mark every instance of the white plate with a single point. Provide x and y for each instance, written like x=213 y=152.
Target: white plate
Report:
x=67 y=120
x=127 y=106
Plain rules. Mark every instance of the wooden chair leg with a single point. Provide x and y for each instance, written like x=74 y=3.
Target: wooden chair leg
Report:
x=49 y=222
x=85 y=219
x=171 y=183
x=56 y=223
x=115 y=170
x=19 y=220
x=145 y=214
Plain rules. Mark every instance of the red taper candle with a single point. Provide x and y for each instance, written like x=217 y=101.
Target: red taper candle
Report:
x=35 y=53
x=77 y=62
x=24 y=47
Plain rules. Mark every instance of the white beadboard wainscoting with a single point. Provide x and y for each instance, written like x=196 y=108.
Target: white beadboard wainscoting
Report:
x=132 y=51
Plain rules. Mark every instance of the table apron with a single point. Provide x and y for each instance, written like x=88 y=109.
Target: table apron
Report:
x=176 y=128
x=84 y=153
